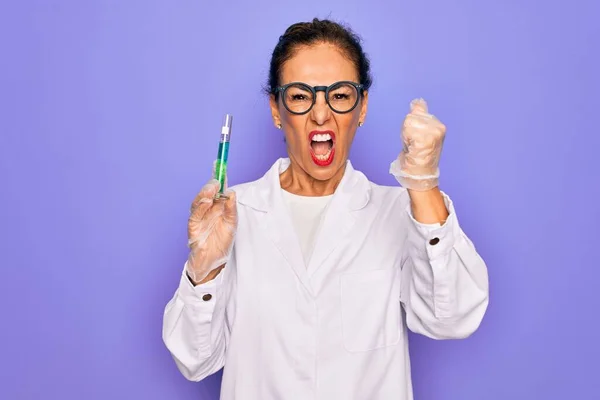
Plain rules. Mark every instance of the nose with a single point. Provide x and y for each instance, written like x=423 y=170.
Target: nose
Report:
x=320 y=113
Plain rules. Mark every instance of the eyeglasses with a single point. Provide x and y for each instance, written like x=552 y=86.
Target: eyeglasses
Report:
x=299 y=98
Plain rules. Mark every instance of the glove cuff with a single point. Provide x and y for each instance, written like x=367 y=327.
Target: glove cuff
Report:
x=414 y=182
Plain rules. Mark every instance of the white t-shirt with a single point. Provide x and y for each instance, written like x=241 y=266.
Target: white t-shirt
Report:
x=306 y=213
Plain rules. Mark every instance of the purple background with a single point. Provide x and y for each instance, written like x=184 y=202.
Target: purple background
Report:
x=110 y=114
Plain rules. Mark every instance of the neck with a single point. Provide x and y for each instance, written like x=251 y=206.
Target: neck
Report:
x=297 y=181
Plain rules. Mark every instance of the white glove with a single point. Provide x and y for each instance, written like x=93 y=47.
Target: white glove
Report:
x=417 y=165
x=211 y=230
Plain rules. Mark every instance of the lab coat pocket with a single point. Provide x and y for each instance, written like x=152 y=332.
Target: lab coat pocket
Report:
x=371 y=313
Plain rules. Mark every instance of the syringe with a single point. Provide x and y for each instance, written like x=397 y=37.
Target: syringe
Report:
x=221 y=162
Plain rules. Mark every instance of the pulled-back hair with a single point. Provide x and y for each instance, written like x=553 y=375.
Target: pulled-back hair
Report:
x=318 y=31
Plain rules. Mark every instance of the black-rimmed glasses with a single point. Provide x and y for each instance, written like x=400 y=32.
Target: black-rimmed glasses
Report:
x=299 y=98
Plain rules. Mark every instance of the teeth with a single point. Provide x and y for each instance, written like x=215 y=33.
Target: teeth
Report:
x=321 y=137
x=323 y=157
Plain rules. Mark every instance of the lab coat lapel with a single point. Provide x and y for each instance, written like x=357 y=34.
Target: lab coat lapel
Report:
x=352 y=194
x=276 y=222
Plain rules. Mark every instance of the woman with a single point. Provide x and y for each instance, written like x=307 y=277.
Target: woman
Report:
x=303 y=284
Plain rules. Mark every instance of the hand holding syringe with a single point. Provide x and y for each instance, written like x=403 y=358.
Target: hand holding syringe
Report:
x=213 y=219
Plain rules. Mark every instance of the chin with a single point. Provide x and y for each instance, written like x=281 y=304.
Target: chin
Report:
x=323 y=172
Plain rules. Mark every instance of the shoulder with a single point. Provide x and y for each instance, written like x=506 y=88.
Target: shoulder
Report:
x=255 y=193
x=388 y=194
x=242 y=188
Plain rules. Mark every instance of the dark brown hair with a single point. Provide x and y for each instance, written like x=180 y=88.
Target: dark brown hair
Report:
x=318 y=31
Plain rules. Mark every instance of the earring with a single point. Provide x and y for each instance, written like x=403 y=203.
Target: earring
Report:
x=360 y=123
x=278 y=126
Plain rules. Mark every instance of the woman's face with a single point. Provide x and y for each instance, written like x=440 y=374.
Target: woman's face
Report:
x=319 y=141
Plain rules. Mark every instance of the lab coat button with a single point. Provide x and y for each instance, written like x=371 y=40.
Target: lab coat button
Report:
x=434 y=241
x=207 y=297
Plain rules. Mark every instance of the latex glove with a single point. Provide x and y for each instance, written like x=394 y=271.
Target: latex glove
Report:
x=211 y=231
x=417 y=165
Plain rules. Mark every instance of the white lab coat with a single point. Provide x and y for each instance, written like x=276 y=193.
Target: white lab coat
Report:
x=337 y=327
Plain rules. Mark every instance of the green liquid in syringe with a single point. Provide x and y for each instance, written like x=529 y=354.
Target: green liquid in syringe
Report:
x=221 y=165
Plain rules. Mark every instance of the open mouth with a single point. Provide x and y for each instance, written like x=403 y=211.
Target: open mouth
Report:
x=322 y=145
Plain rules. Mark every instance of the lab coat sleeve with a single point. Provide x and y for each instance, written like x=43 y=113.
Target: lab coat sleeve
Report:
x=444 y=279
x=195 y=329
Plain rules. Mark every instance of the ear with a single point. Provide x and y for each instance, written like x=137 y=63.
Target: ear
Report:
x=274 y=110
x=363 y=107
